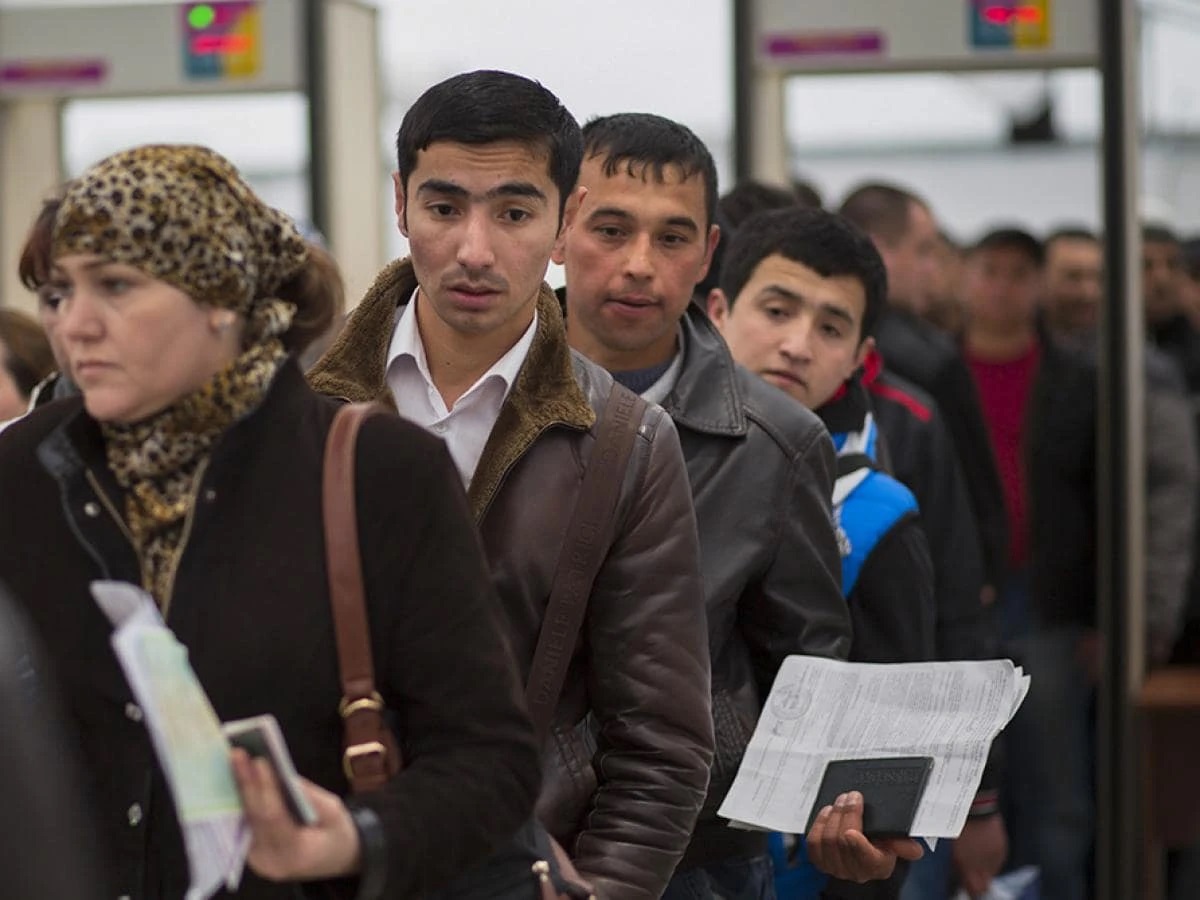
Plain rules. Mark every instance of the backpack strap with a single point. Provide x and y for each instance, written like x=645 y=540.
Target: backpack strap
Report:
x=856 y=451
x=867 y=505
x=584 y=549
x=849 y=463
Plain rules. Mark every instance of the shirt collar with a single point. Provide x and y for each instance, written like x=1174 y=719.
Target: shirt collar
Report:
x=406 y=342
x=406 y=339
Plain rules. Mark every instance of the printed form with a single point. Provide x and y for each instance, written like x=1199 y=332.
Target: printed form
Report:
x=186 y=734
x=821 y=710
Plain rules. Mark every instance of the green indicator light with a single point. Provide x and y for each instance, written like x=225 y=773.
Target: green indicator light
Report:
x=202 y=16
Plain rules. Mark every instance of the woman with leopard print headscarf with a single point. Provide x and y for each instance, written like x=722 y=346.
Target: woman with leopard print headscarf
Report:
x=191 y=466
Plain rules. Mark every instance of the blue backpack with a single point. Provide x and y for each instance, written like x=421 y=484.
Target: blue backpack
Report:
x=867 y=503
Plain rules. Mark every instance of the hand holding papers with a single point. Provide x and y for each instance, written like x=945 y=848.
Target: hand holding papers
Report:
x=187 y=737
x=836 y=845
x=896 y=785
x=261 y=738
x=313 y=837
x=822 y=710
x=284 y=849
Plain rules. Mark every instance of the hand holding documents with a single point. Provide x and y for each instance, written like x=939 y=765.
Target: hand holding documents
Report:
x=820 y=711
x=261 y=738
x=193 y=749
x=895 y=785
x=187 y=737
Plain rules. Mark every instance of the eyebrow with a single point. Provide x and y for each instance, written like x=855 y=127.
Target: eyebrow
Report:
x=87 y=266
x=684 y=222
x=508 y=189
x=615 y=212
x=785 y=292
x=837 y=312
x=828 y=309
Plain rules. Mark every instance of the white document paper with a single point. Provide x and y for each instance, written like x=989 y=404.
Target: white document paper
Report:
x=186 y=734
x=821 y=710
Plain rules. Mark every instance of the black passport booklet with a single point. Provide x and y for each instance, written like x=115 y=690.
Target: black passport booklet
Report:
x=891 y=788
x=262 y=738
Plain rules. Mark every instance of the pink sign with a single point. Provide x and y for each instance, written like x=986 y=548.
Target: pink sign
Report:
x=831 y=43
x=44 y=73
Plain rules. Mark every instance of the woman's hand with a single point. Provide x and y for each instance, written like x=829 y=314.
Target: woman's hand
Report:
x=837 y=846
x=281 y=849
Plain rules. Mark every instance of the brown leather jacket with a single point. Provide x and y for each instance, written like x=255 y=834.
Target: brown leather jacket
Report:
x=627 y=762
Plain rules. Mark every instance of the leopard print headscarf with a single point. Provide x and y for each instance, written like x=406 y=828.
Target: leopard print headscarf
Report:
x=183 y=215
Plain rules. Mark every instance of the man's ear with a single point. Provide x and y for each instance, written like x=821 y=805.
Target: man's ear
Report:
x=714 y=238
x=718 y=308
x=401 y=211
x=865 y=349
x=570 y=213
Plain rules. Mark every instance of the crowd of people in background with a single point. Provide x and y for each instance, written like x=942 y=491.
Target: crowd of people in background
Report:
x=861 y=438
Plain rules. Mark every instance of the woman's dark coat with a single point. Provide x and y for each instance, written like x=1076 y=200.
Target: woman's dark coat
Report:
x=251 y=605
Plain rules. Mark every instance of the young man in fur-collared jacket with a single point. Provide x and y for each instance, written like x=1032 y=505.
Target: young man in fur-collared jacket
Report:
x=465 y=339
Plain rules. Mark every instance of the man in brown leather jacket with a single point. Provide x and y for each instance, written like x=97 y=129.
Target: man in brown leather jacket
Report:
x=761 y=465
x=464 y=338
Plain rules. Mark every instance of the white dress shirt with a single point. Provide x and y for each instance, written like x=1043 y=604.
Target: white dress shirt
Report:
x=466 y=426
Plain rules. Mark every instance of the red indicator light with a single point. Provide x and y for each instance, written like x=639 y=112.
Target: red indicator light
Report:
x=223 y=44
x=1006 y=15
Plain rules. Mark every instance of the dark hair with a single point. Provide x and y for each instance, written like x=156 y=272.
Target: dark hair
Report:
x=747 y=197
x=1158 y=233
x=24 y=350
x=742 y=201
x=319 y=295
x=823 y=241
x=33 y=267
x=487 y=106
x=807 y=194
x=1011 y=238
x=647 y=144
x=880 y=209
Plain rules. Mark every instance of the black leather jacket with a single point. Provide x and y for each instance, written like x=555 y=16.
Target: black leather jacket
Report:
x=919 y=451
x=919 y=353
x=761 y=468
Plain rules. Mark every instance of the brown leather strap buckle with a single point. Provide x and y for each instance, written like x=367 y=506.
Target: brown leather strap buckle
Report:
x=371 y=755
x=348 y=707
x=356 y=752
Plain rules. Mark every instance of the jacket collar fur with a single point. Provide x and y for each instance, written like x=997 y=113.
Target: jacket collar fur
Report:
x=545 y=395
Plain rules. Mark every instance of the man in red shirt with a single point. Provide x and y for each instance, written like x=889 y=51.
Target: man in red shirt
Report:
x=1002 y=350
x=1040 y=409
